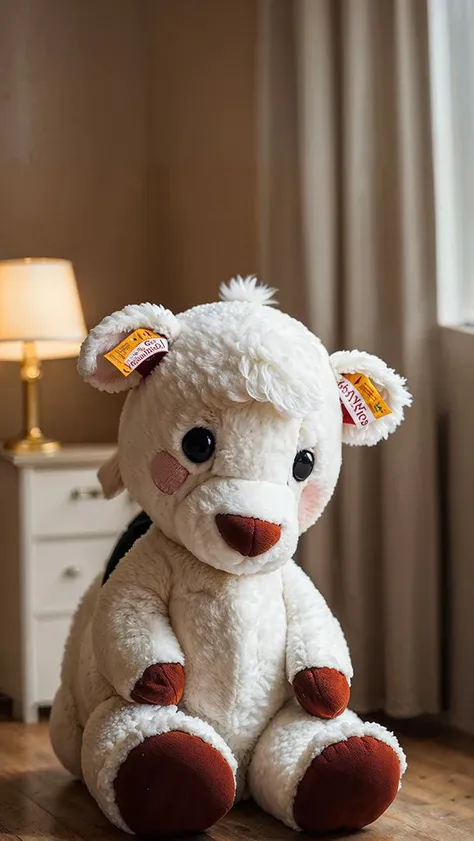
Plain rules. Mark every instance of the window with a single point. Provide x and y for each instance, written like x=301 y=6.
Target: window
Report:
x=452 y=91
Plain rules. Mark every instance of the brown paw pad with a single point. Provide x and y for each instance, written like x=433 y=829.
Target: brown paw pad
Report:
x=161 y=684
x=348 y=786
x=172 y=784
x=322 y=692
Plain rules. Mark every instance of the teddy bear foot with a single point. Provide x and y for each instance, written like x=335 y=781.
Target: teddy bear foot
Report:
x=173 y=783
x=348 y=786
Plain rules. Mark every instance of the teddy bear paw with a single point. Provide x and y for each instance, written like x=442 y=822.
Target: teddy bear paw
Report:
x=161 y=684
x=173 y=783
x=348 y=786
x=322 y=692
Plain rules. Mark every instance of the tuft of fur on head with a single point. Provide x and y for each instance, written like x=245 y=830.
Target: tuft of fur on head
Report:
x=248 y=290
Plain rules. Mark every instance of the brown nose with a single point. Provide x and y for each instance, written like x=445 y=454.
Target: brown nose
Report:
x=249 y=536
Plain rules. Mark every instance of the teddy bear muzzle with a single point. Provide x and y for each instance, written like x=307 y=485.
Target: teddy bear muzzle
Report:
x=248 y=535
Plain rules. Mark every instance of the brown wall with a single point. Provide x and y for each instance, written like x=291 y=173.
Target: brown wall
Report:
x=202 y=146
x=127 y=144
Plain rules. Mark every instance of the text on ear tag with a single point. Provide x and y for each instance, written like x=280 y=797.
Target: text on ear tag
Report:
x=361 y=402
x=137 y=348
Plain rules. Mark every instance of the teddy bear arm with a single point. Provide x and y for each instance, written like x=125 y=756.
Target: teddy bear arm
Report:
x=134 y=645
x=317 y=657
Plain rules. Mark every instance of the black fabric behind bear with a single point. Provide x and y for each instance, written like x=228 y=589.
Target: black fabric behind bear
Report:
x=138 y=527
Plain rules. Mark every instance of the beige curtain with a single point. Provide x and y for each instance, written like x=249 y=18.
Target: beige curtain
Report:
x=346 y=212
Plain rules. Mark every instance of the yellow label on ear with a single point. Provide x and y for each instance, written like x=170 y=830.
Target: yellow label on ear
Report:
x=135 y=349
x=362 y=401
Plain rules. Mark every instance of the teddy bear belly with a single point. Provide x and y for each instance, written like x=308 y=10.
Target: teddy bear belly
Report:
x=234 y=642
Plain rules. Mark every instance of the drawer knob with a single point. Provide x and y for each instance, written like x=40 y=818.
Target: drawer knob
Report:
x=72 y=572
x=87 y=493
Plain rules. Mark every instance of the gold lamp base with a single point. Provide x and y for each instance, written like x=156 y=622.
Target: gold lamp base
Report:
x=32 y=444
x=32 y=441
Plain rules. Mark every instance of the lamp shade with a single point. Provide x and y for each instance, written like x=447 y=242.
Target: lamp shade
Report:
x=39 y=303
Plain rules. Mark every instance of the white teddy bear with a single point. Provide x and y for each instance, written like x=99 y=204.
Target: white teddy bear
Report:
x=208 y=668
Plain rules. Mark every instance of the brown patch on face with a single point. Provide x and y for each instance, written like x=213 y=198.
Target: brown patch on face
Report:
x=167 y=473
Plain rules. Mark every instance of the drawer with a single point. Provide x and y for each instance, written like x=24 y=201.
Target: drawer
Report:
x=70 y=502
x=61 y=570
x=49 y=635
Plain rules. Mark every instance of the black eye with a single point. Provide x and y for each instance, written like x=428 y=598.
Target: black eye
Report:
x=198 y=444
x=303 y=465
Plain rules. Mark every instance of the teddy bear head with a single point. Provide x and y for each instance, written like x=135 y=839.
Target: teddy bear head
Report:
x=230 y=437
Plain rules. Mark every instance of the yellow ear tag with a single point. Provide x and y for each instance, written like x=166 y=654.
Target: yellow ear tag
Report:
x=136 y=349
x=361 y=402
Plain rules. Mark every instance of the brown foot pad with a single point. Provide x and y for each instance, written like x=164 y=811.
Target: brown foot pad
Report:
x=172 y=784
x=348 y=786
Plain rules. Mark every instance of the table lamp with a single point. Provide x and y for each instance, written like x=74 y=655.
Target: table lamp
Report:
x=40 y=318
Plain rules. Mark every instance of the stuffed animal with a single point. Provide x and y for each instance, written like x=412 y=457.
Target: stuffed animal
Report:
x=208 y=668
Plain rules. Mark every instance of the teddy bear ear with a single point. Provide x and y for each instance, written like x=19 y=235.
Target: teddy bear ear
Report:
x=100 y=372
x=110 y=477
x=372 y=395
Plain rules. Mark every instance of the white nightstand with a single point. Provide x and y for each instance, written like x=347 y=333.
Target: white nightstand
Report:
x=56 y=532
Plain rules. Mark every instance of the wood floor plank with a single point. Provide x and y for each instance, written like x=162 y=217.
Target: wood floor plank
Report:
x=39 y=801
x=23 y=817
x=6 y=835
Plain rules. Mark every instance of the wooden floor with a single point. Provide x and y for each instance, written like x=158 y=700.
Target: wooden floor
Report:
x=38 y=799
